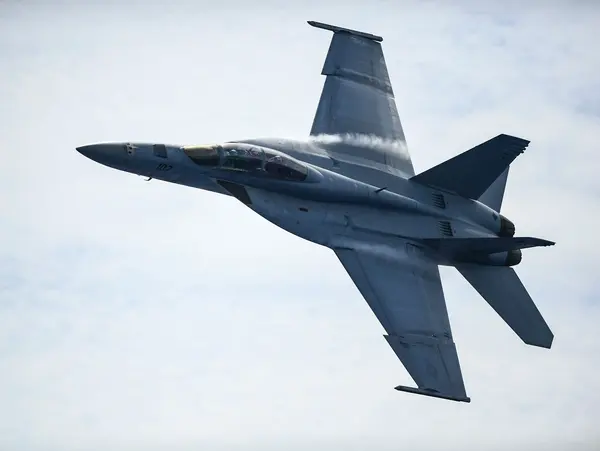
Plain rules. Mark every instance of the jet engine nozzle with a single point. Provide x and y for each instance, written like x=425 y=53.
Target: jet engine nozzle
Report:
x=508 y=258
x=507 y=227
x=514 y=257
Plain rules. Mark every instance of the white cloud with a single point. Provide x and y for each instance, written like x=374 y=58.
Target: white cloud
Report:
x=138 y=314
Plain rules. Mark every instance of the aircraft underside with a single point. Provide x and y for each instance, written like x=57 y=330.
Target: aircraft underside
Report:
x=352 y=187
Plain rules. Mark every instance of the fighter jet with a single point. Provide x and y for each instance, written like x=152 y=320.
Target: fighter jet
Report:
x=351 y=186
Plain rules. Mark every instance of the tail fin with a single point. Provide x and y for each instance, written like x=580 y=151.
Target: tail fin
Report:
x=472 y=173
x=495 y=193
x=503 y=290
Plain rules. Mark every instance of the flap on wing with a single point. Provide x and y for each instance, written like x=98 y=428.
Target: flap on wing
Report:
x=357 y=102
x=404 y=291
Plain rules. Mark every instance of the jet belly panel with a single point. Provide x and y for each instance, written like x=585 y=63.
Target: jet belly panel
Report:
x=326 y=222
x=407 y=224
x=303 y=218
x=394 y=223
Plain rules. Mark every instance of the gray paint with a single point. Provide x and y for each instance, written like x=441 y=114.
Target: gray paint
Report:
x=351 y=187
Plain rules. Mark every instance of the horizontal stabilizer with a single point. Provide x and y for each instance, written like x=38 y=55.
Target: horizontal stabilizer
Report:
x=472 y=172
x=468 y=246
x=503 y=290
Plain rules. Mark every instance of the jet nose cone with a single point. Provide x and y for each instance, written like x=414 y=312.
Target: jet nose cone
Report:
x=85 y=150
x=102 y=152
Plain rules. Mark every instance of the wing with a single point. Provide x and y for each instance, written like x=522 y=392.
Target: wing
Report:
x=357 y=103
x=405 y=292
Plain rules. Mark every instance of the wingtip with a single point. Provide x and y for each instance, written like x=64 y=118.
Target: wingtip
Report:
x=516 y=139
x=545 y=343
x=432 y=393
x=338 y=29
x=540 y=242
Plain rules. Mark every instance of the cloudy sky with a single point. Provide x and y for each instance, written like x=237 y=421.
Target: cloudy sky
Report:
x=143 y=316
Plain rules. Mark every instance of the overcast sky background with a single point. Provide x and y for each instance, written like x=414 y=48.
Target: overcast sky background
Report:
x=142 y=316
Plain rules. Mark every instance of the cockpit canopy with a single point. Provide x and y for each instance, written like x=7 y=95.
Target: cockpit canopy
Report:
x=248 y=158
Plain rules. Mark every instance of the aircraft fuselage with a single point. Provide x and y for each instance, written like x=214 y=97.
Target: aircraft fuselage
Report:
x=298 y=186
x=351 y=186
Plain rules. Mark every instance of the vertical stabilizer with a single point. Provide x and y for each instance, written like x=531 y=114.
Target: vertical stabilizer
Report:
x=472 y=173
x=495 y=193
